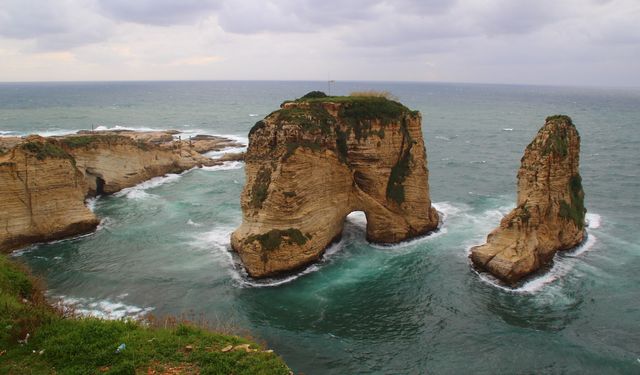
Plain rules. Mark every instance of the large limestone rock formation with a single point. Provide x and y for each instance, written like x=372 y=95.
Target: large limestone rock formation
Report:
x=313 y=162
x=41 y=195
x=44 y=181
x=550 y=210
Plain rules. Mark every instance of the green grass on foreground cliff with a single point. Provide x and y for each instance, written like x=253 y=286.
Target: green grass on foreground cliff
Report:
x=59 y=345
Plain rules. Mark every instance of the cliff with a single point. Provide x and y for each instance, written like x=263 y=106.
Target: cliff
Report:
x=41 y=195
x=313 y=162
x=44 y=181
x=550 y=209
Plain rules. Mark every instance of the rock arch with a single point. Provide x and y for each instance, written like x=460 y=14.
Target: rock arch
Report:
x=313 y=162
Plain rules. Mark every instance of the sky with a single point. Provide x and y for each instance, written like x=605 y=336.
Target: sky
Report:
x=547 y=42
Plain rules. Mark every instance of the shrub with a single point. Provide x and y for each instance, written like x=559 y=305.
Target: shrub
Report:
x=314 y=95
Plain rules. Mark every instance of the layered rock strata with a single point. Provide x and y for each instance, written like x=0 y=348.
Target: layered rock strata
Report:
x=550 y=213
x=44 y=181
x=316 y=160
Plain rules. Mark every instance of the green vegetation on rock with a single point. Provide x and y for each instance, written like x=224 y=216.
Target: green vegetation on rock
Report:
x=46 y=149
x=559 y=119
x=64 y=345
x=575 y=209
x=399 y=172
x=259 y=191
x=274 y=238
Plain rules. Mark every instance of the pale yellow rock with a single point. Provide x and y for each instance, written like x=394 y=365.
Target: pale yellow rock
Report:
x=41 y=195
x=313 y=162
x=44 y=181
x=550 y=209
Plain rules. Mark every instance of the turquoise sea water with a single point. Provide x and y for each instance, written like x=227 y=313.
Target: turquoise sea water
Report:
x=409 y=309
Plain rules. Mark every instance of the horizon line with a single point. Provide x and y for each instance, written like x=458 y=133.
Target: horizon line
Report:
x=586 y=86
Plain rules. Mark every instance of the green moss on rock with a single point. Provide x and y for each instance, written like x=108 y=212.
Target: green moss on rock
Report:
x=46 y=149
x=399 y=172
x=575 y=209
x=259 y=191
x=274 y=238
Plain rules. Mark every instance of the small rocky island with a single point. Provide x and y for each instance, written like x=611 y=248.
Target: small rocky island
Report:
x=317 y=159
x=550 y=212
x=44 y=181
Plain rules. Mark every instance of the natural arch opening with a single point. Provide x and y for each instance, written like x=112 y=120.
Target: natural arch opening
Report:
x=99 y=186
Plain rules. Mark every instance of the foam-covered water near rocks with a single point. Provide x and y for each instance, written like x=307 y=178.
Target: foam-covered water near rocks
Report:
x=102 y=308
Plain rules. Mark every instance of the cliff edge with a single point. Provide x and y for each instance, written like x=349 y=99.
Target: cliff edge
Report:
x=44 y=181
x=550 y=208
x=316 y=160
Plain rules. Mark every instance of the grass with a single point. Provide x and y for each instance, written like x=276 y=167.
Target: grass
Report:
x=45 y=149
x=273 y=239
x=575 y=209
x=78 y=141
x=62 y=345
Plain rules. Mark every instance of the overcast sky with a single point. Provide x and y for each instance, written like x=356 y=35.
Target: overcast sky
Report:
x=562 y=42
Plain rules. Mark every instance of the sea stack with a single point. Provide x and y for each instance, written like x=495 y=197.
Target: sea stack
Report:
x=316 y=160
x=550 y=212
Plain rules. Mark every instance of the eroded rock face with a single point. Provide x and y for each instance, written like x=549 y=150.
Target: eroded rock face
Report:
x=550 y=210
x=41 y=195
x=44 y=181
x=313 y=162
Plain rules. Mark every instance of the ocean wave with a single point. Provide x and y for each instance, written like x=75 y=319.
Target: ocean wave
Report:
x=138 y=191
x=593 y=220
x=228 y=150
x=104 y=309
x=507 y=129
x=91 y=203
x=226 y=166
x=193 y=223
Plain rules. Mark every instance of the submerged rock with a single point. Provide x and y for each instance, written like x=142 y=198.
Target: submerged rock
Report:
x=550 y=213
x=316 y=160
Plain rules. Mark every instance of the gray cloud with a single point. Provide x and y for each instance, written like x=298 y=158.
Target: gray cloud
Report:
x=158 y=12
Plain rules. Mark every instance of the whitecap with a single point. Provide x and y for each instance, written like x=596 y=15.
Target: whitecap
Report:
x=228 y=150
x=253 y=115
x=138 y=191
x=593 y=220
x=226 y=166
x=91 y=203
x=104 y=309
x=193 y=223
x=507 y=129
x=443 y=138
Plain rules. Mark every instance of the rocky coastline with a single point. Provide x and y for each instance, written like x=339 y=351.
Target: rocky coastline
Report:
x=44 y=181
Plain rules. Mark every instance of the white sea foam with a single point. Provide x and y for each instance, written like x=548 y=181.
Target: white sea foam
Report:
x=226 y=166
x=443 y=138
x=138 y=191
x=228 y=150
x=105 y=309
x=193 y=223
x=507 y=129
x=593 y=220
x=253 y=115
x=91 y=203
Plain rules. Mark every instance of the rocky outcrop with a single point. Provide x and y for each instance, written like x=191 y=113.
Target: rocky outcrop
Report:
x=44 y=181
x=313 y=162
x=41 y=195
x=550 y=209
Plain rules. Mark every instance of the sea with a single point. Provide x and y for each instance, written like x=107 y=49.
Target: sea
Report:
x=414 y=308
